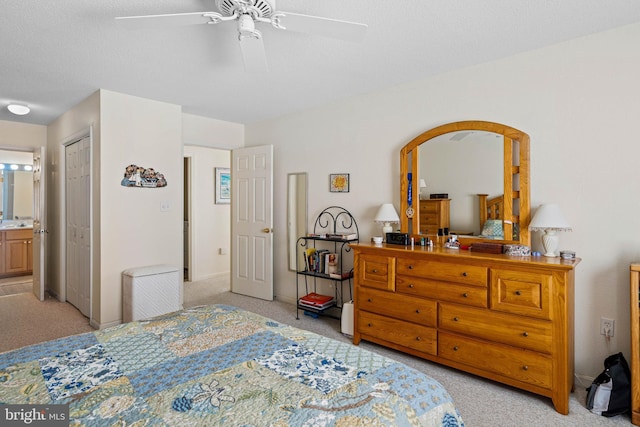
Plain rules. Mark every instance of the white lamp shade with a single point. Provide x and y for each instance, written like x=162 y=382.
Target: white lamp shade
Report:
x=423 y=184
x=387 y=214
x=549 y=218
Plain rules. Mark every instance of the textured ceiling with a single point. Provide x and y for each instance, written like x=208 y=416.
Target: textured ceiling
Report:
x=53 y=54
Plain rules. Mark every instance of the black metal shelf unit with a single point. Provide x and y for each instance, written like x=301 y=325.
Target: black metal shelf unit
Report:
x=333 y=230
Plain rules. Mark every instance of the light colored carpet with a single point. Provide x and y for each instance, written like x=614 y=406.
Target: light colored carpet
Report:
x=26 y=321
x=482 y=403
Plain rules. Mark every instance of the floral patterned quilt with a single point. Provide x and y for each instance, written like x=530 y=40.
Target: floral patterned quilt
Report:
x=220 y=365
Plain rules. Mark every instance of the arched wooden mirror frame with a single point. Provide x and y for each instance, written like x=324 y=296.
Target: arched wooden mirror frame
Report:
x=517 y=207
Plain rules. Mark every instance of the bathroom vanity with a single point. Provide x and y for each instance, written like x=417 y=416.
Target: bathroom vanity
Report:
x=16 y=254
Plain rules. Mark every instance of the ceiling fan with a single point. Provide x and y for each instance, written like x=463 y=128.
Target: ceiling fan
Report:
x=247 y=13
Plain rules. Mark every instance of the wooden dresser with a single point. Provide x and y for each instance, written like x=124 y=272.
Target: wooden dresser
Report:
x=509 y=319
x=635 y=343
x=434 y=214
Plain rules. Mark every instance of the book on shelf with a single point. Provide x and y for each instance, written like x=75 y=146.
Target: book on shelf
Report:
x=342 y=236
x=330 y=263
x=309 y=252
x=305 y=304
x=315 y=300
x=318 y=235
x=343 y=275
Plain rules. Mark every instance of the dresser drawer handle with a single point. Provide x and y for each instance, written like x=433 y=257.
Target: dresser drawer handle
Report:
x=374 y=270
x=369 y=325
x=455 y=319
x=525 y=367
x=411 y=286
x=418 y=311
x=410 y=267
x=525 y=334
x=455 y=348
x=418 y=339
x=465 y=295
x=518 y=293
x=368 y=299
x=464 y=274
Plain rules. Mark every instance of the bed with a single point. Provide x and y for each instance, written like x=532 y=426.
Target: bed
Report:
x=220 y=365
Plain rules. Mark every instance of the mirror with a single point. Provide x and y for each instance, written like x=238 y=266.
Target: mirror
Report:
x=296 y=213
x=16 y=199
x=464 y=160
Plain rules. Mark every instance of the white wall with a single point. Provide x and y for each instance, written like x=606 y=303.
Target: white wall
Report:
x=206 y=132
x=578 y=101
x=16 y=135
x=210 y=223
x=135 y=231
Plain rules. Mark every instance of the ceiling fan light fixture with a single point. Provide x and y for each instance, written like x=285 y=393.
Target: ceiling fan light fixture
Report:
x=18 y=109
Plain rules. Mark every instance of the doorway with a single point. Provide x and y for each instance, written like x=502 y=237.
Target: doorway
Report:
x=16 y=217
x=186 y=223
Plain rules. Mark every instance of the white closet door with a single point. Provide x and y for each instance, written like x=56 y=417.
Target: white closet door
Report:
x=78 y=241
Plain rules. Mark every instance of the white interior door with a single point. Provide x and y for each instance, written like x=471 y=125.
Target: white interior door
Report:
x=78 y=226
x=252 y=221
x=39 y=223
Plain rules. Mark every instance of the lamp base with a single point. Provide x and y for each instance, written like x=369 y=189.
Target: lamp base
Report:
x=550 y=243
x=386 y=229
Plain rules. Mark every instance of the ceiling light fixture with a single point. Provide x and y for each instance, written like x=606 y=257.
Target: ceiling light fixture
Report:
x=18 y=109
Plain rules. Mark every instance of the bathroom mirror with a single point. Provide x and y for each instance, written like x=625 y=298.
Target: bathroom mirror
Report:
x=509 y=165
x=296 y=213
x=16 y=195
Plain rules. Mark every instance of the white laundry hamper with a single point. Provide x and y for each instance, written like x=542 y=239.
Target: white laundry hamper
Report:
x=150 y=291
x=347 y=318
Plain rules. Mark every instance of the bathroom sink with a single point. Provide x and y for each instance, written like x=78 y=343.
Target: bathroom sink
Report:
x=12 y=226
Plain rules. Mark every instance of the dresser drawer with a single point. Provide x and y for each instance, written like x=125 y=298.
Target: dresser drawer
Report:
x=429 y=207
x=518 y=331
x=376 y=272
x=429 y=219
x=521 y=292
x=450 y=272
x=443 y=291
x=412 y=309
x=428 y=230
x=522 y=365
x=406 y=334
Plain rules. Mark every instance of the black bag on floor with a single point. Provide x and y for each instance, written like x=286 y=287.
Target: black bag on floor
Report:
x=610 y=392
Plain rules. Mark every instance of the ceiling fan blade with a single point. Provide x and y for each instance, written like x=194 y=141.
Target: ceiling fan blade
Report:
x=171 y=19
x=327 y=27
x=253 y=55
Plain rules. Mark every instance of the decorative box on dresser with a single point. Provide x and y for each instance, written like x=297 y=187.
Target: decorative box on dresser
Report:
x=635 y=343
x=509 y=319
x=434 y=214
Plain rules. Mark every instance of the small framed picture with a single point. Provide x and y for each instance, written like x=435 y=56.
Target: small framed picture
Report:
x=222 y=185
x=339 y=182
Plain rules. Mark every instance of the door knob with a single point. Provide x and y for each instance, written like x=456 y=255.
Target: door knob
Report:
x=267 y=230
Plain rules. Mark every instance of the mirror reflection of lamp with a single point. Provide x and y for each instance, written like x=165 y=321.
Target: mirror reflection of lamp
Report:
x=387 y=215
x=549 y=218
x=422 y=184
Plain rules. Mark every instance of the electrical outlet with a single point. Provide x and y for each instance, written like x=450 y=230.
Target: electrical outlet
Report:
x=607 y=326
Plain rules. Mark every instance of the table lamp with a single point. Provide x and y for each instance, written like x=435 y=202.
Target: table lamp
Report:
x=386 y=215
x=549 y=218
